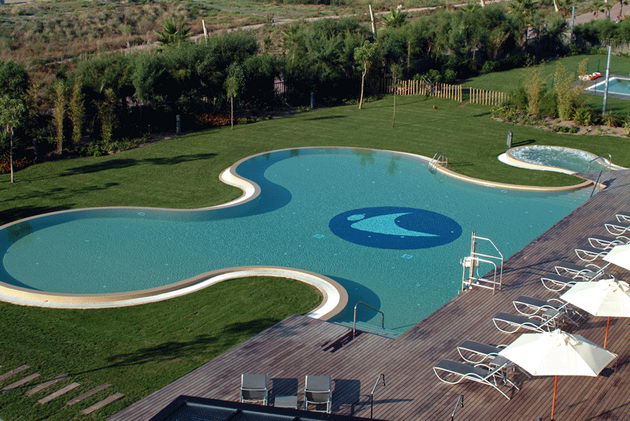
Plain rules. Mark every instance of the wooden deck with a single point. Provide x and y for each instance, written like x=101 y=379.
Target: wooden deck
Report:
x=299 y=345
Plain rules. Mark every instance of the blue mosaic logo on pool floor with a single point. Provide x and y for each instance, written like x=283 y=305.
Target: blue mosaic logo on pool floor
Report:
x=391 y=227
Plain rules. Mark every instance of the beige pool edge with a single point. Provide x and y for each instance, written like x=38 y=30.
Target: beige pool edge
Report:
x=335 y=297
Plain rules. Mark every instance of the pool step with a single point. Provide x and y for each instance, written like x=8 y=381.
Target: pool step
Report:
x=373 y=329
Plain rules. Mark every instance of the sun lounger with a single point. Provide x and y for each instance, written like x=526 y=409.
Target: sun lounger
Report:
x=587 y=272
x=254 y=388
x=606 y=243
x=318 y=391
x=557 y=283
x=617 y=228
x=511 y=323
x=477 y=352
x=623 y=218
x=454 y=372
x=590 y=254
x=531 y=306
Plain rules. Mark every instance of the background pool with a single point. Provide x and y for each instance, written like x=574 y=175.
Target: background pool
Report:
x=615 y=86
x=96 y=251
x=557 y=156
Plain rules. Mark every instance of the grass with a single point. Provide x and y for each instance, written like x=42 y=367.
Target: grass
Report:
x=136 y=349
x=139 y=349
x=510 y=79
x=183 y=172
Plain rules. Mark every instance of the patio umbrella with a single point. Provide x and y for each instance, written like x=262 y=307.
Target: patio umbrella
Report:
x=604 y=298
x=620 y=256
x=556 y=354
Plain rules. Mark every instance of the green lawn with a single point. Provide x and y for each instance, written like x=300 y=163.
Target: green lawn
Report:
x=136 y=349
x=183 y=172
x=141 y=348
x=510 y=79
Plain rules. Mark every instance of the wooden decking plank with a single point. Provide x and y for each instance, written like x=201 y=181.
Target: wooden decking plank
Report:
x=45 y=385
x=87 y=394
x=20 y=382
x=293 y=347
x=100 y=404
x=58 y=393
x=13 y=372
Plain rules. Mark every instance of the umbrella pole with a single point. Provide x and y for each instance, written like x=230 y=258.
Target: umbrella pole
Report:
x=606 y=336
x=553 y=402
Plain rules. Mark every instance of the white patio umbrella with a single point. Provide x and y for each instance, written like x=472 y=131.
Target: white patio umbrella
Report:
x=604 y=298
x=556 y=354
x=620 y=256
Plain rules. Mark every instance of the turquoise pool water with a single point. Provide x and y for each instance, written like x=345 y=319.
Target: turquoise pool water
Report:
x=557 y=156
x=384 y=226
x=615 y=86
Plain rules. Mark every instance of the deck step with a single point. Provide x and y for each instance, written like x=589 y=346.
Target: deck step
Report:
x=21 y=382
x=58 y=393
x=46 y=385
x=13 y=372
x=99 y=405
x=87 y=394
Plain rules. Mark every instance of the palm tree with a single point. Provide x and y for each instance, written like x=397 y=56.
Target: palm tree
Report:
x=12 y=112
x=396 y=18
x=174 y=31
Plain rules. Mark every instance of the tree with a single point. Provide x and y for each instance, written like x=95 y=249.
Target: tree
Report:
x=76 y=111
x=174 y=31
x=59 y=114
x=396 y=18
x=365 y=56
x=534 y=85
x=566 y=94
x=233 y=86
x=12 y=111
x=13 y=79
x=396 y=71
x=107 y=115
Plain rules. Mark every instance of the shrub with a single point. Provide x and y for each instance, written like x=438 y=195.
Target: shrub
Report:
x=489 y=67
x=584 y=116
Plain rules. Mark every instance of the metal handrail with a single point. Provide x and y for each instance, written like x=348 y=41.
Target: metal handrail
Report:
x=439 y=158
x=458 y=404
x=376 y=383
x=354 y=320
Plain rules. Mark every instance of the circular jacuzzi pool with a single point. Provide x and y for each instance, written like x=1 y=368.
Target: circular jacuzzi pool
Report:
x=556 y=158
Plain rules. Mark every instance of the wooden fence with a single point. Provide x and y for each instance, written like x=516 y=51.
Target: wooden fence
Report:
x=458 y=93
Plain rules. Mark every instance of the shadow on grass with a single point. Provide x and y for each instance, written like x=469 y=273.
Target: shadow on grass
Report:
x=327 y=117
x=487 y=113
x=125 y=163
x=22 y=212
x=523 y=143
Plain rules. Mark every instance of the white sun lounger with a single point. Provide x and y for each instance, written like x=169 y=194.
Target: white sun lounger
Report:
x=623 y=217
x=590 y=254
x=531 y=306
x=512 y=323
x=454 y=372
x=557 y=283
x=587 y=272
x=617 y=228
x=477 y=352
x=606 y=243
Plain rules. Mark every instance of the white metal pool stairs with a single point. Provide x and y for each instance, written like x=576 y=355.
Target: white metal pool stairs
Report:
x=472 y=263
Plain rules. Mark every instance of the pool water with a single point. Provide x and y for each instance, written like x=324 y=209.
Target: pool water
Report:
x=384 y=226
x=557 y=156
x=615 y=86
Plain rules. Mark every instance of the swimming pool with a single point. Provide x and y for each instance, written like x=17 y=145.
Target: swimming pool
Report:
x=616 y=85
x=380 y=223
x=558 y=159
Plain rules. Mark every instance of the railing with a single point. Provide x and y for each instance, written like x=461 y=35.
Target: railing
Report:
x=439 y=158
x=376 y=383
x=472 y=264
x=354 y=319
x=599 y=176
x=458 y=404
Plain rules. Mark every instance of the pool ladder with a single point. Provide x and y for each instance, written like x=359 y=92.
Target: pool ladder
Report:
x=471 y=264
x=599 y=176
x=354 y=318
x=439 y=159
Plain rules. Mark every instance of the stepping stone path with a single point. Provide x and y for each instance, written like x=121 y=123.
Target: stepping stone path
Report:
x=60 y=392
